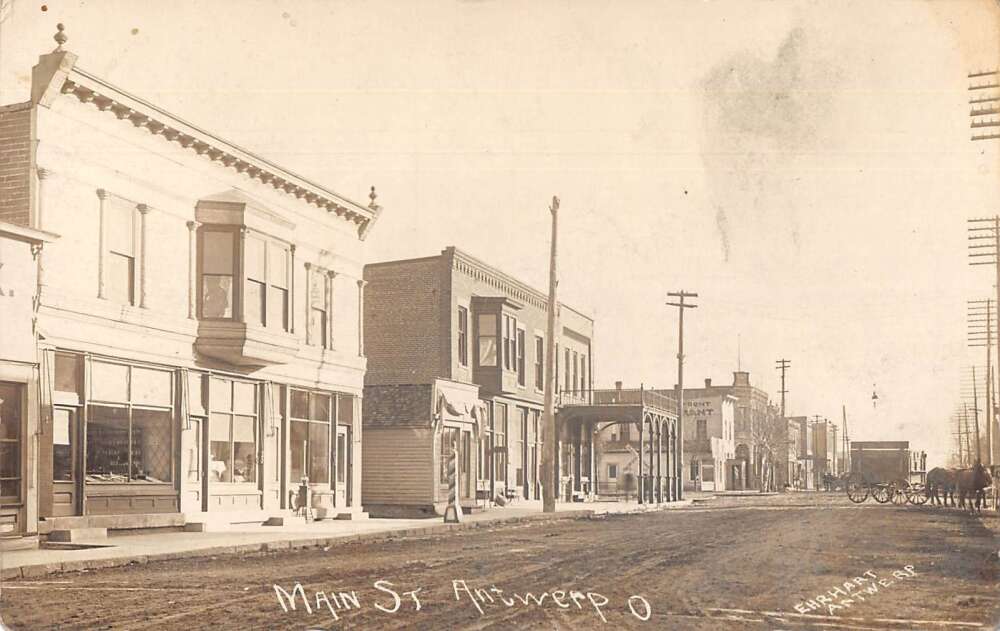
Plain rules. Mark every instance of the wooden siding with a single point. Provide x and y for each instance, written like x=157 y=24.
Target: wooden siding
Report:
x=398 y=466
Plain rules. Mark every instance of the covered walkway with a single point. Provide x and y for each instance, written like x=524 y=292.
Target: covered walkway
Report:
x=654 y=434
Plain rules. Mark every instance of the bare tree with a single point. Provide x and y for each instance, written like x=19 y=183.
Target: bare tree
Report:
x=770 y=436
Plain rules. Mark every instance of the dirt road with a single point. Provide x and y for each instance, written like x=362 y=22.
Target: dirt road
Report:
x=792 y=562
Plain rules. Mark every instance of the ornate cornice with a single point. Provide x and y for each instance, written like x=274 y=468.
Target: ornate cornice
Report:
x=141 y=114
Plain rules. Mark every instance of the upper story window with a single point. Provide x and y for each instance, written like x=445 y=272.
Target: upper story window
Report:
x=583 y=373
x=539 y=362
x=569 y=372
x=463 y=336
x=487 y=339
x=509 y=342
x=263 y=297
x=702 y=429
x=121 y=246
x=319 y=331
x=520 y=357
x=218 y=255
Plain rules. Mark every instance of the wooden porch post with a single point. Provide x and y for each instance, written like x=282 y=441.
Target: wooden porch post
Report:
x=593 y=459
x=659 y=464
x=641 y=485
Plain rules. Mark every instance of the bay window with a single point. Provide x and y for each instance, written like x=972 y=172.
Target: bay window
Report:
x=487 y=339
x=509 y=342
x=263 y=298
x=218 y=253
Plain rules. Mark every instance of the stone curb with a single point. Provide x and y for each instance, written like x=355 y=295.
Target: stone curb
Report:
x=45 y=569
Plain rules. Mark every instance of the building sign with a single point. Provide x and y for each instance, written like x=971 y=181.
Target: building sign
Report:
x=698 y=408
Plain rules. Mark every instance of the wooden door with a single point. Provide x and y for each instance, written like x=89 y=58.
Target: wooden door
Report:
x=66 y=480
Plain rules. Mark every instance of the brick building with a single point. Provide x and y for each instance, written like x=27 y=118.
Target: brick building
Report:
x=753 y=418
x=709 y=439
x=199 y=319
x=826 y=452
x=455 y=357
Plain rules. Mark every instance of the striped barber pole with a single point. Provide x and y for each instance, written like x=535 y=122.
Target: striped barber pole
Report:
x=453 y=514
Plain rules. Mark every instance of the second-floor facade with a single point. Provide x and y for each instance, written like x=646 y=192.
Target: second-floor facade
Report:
x=452 y=316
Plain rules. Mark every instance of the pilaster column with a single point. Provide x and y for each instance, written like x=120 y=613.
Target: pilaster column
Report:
x=309 y=332
x=192 y=266
x=101 y=195
x=361 y=317
x=241 y=278
x=43 y=175
x=291 y=290
x=143 y=211
x=330 y=276
x=39 y=210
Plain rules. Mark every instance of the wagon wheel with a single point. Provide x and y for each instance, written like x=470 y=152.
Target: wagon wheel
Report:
x=857 y=490
x=899 y=492
x=882 y=493
x=916 y=494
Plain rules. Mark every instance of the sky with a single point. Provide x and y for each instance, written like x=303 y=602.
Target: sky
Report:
x=805 y=167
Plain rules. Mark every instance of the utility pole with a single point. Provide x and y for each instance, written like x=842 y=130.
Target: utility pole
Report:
x=968 y=444
x=550 y=444
x=847 y=444
x=681 y=306
x=975 y=414
x=984 y=249
x=782 y=365
x=836 y=462
x=958 y=436
x=981 y=323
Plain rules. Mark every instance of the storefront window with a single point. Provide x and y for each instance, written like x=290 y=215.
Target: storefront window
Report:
x=232 y=431
x=130 y=429
x=244 y=449
x=310 y=436
x=500 y=443
x=341 y=458
x=62 y=445
x=10 y=442
x=191 y=465
x=107 y=444
x=220 y=448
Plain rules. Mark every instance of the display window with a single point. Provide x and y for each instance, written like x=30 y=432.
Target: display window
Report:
x=129 y=430
x=232 y=431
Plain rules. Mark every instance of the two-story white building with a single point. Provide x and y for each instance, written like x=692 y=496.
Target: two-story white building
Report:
x=200 y=318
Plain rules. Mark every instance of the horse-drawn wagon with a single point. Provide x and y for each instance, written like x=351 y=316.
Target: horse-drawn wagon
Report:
x=885 y=471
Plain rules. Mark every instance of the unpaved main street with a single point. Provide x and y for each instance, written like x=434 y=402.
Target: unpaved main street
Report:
x=738 y=563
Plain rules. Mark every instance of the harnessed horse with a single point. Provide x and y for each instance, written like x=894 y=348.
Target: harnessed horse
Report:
x=941 y=482
x=971 y=483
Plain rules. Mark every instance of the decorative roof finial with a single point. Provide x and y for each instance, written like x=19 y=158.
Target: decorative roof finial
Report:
x=60 y=36
x=373 y=196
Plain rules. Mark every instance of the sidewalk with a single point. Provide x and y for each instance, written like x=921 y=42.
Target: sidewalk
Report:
x=255 y=538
